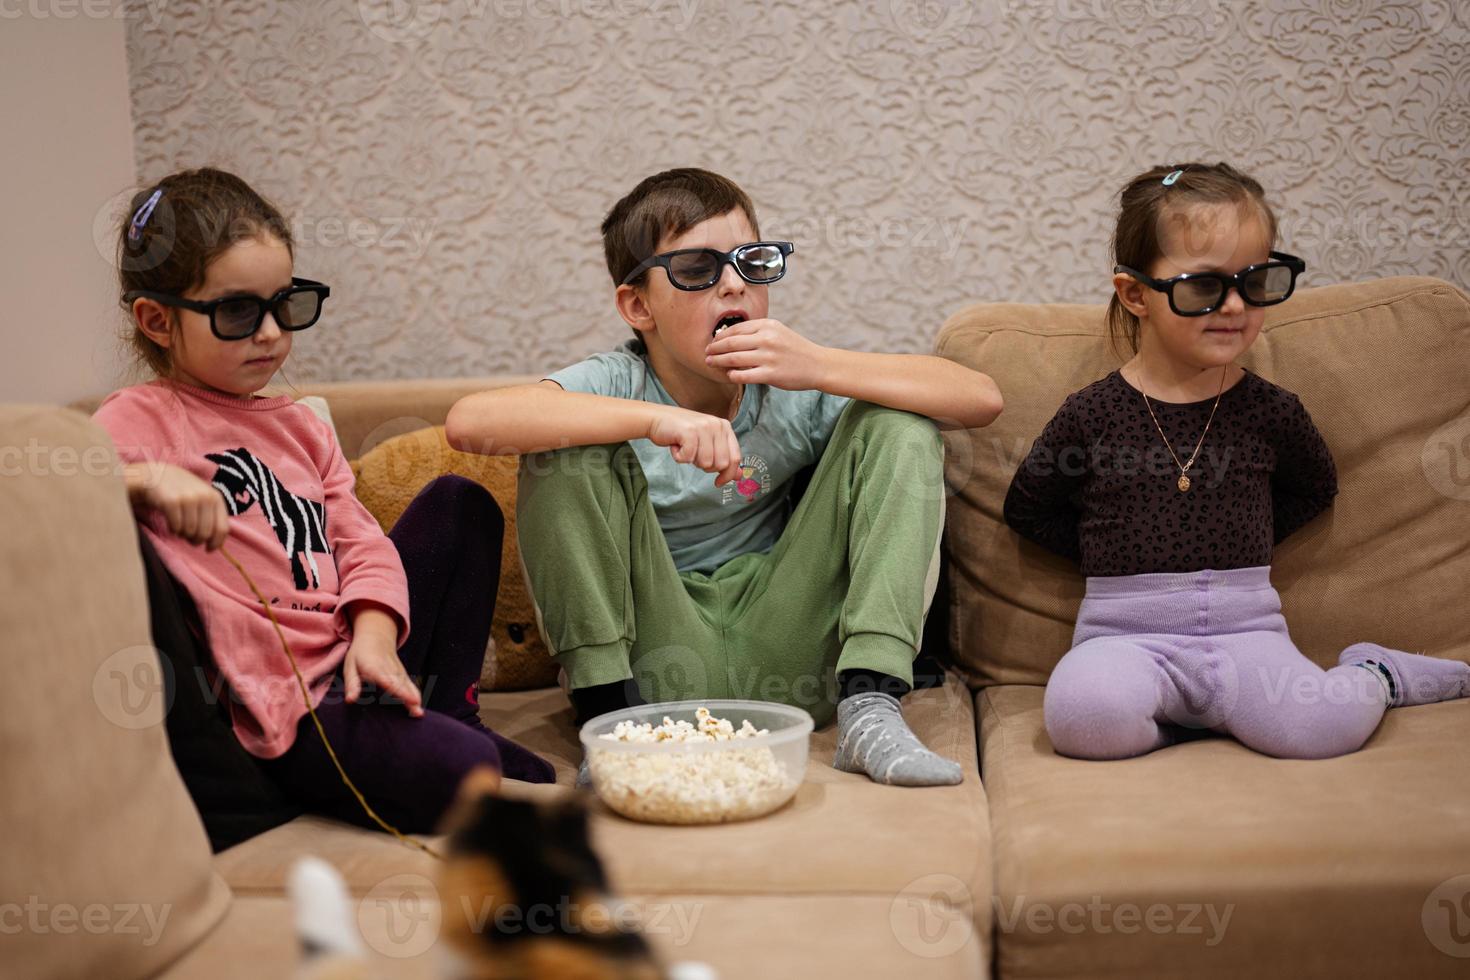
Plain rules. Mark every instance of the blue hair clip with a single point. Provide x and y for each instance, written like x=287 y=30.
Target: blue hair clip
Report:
x=1169 y=180
x=141 y=216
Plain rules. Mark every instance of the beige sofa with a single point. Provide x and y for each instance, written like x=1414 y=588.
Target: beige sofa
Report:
x=1203 y=859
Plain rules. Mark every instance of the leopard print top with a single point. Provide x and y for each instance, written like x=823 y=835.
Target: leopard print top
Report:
x=1099 y=486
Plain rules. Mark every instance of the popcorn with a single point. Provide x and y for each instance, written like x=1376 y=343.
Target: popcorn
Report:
x=705 y=729
x=667 y=785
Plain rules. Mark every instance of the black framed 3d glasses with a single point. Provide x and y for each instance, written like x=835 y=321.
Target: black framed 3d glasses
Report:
x=296 y=307
x=1199 y=293
x=758 y=263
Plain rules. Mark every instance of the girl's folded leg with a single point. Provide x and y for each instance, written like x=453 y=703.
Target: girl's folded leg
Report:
x=1108 y=698
x=1288 y=707
x=408 y=769
x=450 y=541
x=1291 y=708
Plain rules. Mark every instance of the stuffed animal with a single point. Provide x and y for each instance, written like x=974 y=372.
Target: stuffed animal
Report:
x=392 y=473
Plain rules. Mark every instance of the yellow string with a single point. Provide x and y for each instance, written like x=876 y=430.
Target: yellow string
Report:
x=306 y=695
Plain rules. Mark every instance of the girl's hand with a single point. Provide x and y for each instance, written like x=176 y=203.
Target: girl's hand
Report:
x=706 y=441
x=372 y=658
x=768 y=352
x=193 y=509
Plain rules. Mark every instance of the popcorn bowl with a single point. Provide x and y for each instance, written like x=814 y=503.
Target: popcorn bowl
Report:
x=699 y=781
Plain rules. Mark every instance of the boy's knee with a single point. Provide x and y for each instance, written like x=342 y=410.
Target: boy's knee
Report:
x=553 y=480
x=904 y=446
x=579 y=463
x=907 y=429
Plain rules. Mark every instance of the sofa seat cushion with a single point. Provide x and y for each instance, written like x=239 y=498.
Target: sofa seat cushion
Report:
x=1343 y=861
x=257 y=939
x=857 y=937
x=923 y=854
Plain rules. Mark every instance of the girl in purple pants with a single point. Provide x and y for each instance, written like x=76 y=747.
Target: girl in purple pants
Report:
x=1171 y=480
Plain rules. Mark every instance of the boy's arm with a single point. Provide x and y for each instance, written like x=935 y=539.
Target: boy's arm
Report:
x=535 y=418
x=951 y=394
x=769 y=352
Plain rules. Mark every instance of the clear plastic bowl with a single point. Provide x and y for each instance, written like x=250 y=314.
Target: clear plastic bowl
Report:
x=703 y=781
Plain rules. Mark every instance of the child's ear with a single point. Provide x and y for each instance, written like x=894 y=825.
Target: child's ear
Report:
x=633 y=308
x=1130 y=294
x=152 y=317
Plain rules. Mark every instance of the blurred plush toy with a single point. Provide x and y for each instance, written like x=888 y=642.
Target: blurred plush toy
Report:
x=502 y=856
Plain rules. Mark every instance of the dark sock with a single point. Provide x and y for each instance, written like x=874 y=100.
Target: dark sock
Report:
x=589 y=702
x=928 y=672
x=852 y=682
x=518 y=762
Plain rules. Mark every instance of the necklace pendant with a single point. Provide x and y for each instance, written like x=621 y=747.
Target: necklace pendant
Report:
x=1183 y=483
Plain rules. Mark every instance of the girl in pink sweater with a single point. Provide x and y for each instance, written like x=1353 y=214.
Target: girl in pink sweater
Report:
x=389 y=632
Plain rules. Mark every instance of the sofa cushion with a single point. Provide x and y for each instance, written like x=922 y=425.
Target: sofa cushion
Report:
x=859 y=937
x=105 y=857
x=391 y=474
x=258 y=939
x=1359 y=865
x=1381 y=368
x=845 y=855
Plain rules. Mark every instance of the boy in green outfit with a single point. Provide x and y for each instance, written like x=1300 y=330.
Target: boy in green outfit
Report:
x=654 y=581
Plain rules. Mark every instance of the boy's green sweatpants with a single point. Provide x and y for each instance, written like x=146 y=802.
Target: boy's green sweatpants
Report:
x=847 y=585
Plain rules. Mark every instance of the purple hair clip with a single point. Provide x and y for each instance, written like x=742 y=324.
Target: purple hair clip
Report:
x=141 y=216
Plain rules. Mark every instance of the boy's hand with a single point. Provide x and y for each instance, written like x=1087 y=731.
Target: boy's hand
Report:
x=706 y=441
x=193 y=509
x=768 y=352
x=372 y=658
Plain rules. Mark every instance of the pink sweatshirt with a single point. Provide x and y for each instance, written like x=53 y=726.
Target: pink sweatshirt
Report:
x=297 y=528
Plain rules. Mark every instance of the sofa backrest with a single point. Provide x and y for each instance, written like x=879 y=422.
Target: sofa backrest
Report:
x=1384 y=369
x=366 y=413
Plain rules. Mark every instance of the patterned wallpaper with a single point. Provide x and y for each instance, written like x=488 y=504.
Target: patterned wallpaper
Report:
x=446 y=163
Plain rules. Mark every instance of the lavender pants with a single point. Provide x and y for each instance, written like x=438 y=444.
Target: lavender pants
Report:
x=1157 y=658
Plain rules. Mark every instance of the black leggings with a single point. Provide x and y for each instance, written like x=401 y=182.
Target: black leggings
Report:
x=409 y=768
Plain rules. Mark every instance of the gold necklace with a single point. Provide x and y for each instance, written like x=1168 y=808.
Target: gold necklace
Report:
x=1184 y=467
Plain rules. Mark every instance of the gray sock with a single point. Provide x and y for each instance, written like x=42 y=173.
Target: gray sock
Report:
x=1414 y=678
x=872 y=738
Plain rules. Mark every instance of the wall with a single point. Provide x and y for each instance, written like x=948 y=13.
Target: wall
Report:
x=447 y=164
x=65 y=153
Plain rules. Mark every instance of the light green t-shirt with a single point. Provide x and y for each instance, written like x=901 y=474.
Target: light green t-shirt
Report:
x=781 y=432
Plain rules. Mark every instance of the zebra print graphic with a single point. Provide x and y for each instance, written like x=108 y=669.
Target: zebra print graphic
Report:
x=300 y=524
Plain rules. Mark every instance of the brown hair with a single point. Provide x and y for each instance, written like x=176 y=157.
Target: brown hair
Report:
x=1147 y=202
x=668 y=203
x=198 y=215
